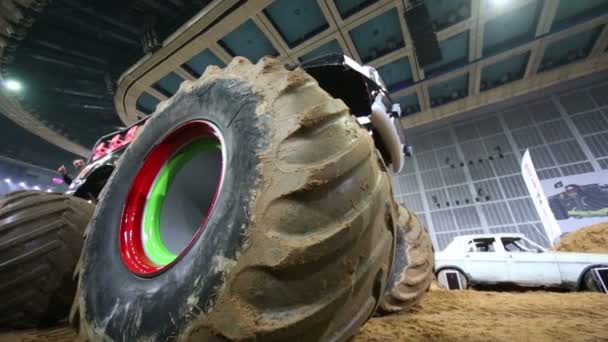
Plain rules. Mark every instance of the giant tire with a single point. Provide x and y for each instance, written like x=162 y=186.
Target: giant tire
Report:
x=413 y=264
x=41 y=236
x=300 y=240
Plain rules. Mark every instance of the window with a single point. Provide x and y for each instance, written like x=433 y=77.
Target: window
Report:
x=481 y=245
x=518 y=245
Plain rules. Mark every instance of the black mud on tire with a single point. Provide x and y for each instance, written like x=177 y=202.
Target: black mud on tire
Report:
x=413 y=265
x=300 y=240
x=41 y=236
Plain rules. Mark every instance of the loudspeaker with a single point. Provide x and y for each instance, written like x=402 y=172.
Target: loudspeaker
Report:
x=425 y=40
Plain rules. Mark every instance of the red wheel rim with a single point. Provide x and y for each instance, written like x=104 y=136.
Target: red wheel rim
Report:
x=131 y=240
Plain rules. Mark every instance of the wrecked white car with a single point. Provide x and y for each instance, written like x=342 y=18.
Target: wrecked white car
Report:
x=491 y=259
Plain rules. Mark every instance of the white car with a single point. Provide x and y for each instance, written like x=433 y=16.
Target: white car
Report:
x=512 y=258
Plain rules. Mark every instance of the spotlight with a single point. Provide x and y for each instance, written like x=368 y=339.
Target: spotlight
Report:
x=36 y=187
x=7 y=180
x=49 y=190
x=22 y=184
x=12 y=85
x=499 y=3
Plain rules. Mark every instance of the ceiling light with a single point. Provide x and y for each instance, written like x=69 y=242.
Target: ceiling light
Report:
x=13 y=85
x=499 y=3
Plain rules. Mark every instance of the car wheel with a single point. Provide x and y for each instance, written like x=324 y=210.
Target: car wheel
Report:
x=589 y=283
x=445 y=277
x=251 y=206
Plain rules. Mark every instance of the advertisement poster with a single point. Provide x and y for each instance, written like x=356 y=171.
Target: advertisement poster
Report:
x=578 y=201
x=539 y=198
x=572 y=202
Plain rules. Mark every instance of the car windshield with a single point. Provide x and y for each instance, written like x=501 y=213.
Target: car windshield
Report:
x=520 y=245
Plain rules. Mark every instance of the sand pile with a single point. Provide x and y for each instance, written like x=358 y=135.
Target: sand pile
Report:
x=494 y=316
x=592 y=239
x=465 y=316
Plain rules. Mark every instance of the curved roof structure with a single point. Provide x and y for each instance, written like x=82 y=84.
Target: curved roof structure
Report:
x=491 y=50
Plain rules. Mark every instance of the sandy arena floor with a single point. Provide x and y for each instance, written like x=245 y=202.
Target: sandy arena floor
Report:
x=466 y=316
x=496 y=316
x=473 y=315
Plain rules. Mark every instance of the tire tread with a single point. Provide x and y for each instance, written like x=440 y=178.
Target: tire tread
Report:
x=40 y=240
x=414 y=278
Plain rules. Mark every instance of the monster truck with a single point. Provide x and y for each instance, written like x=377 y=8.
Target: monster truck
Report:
x=253 y=204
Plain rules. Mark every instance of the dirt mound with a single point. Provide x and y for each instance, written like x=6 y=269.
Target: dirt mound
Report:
x=465 y=316
x=59 y=334
x=494 y=316
x=592 y=239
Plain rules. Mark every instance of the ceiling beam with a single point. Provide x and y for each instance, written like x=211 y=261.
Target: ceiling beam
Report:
x=41 y=44
x=96 y=14
x=220 y=53
x=547 y=16
x=184 y=74
x=409 y=50
x=157 y=94
x=64 y=57
x=83 y=24
x=62 y=63
x=424 y=98
x=475 y=46
x=545 y=22
x=536 y=55
x=13 y=110
x=601 y=44
x=513 y=89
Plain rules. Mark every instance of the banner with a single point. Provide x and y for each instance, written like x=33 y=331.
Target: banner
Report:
x=578 y=201
x=547 y=218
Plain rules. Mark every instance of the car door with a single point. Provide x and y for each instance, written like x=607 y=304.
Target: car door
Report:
x=484 y=262
x=530 y=267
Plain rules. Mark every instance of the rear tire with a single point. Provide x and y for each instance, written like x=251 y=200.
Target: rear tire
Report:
x=41 y=236
x=299 y=242
x=413 y=264
x=589 y=283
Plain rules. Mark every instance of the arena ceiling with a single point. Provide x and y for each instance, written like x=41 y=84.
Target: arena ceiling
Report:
x=492 y=50
x=65 y=56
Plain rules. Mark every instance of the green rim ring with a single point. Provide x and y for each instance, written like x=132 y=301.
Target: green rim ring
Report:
x=154 y=246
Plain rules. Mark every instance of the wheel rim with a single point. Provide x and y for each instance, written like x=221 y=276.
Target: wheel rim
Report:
x=171 y=198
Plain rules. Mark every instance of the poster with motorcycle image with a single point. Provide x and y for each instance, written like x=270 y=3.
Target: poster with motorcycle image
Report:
x=578 y=201
x=565 y=204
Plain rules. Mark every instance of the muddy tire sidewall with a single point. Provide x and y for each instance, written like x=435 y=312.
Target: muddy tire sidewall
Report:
x=165 y=296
